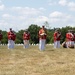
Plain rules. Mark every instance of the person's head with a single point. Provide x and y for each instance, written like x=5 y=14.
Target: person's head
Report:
x=43 y=27
x=26 y=31
x=57 y=30
x=10 y=29
x=69 y=30
x=72 y=31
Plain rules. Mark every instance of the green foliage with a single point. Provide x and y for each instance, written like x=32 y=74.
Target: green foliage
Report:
x=49 y=36
x=4 y=40
x=34 y=29
x=17 y=41
x=19 y=36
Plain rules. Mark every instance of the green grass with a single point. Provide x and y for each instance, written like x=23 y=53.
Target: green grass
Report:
x=31 y=61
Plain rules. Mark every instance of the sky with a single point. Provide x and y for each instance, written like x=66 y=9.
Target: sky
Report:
x=20 y=14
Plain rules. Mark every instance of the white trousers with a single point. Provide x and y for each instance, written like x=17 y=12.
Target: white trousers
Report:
x=70 y=43
x=57 y=44
x=10 y=44
x=26 y=43
x=42 y=44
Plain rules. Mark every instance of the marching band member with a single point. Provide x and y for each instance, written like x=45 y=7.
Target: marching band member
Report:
x=26 y=37
x=72 y=38
x=42 y=38
x=11 y=38
x=1 y=36
x=14 y=38
x=57 y=37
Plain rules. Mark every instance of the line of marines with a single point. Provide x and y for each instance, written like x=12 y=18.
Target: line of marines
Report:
x=68 y=43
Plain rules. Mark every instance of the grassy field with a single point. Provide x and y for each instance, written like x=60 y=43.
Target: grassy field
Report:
x=31 y=61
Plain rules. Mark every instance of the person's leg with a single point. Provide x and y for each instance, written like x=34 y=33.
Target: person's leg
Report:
x=67 y=44
x=72 y=44
x=27 y=45
x=43 y=44
x=12 y=44
x=9 y=44
x=58 y=44
x=24 y=44
x=40 y=44
x=55 y=44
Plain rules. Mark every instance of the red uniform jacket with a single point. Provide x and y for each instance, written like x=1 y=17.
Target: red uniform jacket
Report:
x=57 y=36
x=70 y=37
x=26 y=36
x=14 y=37
x=11 y=36
x=1 y=36
x=41 y=31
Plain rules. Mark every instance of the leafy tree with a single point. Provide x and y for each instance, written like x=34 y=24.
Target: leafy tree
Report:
x=49 y=36
x=46 y=24
x=19 y=36
x=34 y=29
x=5 y=39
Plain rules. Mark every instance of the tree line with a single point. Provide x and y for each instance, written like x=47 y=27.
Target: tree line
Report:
x=33 y=30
